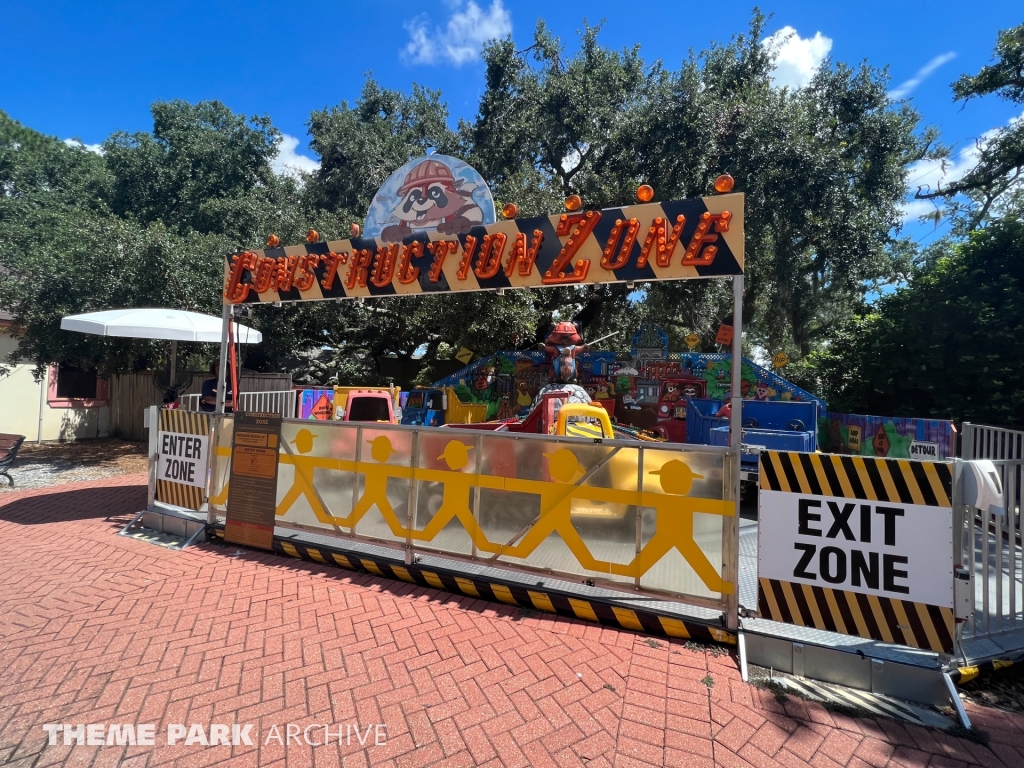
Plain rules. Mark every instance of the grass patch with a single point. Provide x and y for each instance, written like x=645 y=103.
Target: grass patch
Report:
x=710 y=649
x=708 y=680
x=780 y=691
x=652 y=642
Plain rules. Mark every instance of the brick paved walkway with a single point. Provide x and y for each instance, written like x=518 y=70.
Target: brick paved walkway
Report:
x=96 y=628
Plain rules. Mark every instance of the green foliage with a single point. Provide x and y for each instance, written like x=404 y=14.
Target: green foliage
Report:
x=360 y=146
x=823 y=168
x=948 y=345
x=82 y=232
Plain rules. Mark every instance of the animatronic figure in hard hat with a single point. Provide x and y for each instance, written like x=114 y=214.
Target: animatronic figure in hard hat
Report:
x=431 y=198
x=562 y=346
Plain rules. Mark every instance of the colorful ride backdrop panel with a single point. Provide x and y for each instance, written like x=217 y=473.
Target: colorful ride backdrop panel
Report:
x=317 y=404
x=886 y=436
x=676 y=240
x=508 y=382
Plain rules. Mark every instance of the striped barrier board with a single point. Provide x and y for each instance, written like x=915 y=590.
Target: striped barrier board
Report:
x=858 y=545
x=183 y=445
x=509 y=593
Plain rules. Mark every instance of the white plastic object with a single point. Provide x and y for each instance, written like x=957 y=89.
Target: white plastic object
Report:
x=982 y=486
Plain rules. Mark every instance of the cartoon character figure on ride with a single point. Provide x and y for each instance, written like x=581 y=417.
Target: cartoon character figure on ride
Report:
x=562 y=346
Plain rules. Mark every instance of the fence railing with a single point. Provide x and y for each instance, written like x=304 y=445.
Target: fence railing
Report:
x=282 y=402
x=992 y=543
x=631 y=516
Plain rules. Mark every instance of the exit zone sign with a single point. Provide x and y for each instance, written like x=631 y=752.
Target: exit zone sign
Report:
x=902 y=551
x=857 y=545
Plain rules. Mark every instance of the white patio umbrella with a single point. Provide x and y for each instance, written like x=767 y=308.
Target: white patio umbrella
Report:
x=173 y=325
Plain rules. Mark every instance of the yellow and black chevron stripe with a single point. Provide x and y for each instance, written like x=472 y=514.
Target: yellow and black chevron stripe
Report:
x=858 y=477
x=184 y=423
x=672 y=240
x=962 y=675
x=508 y=593
x=851 y=613
x=585 y=429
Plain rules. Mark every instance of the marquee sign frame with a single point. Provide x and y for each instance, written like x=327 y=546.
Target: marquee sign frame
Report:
x=677 y=240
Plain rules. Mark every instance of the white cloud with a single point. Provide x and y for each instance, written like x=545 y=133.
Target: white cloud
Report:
x=468 y=28
x=907 y=87
x=291 y=163
x=96 y=149
x=796 y=58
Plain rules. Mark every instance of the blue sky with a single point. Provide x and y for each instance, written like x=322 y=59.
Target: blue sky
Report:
x=85 y=69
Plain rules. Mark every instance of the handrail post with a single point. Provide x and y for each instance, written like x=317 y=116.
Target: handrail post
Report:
x=225 y=315
x=731 y=525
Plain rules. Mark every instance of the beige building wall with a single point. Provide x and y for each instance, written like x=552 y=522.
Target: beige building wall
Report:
x=20 y=396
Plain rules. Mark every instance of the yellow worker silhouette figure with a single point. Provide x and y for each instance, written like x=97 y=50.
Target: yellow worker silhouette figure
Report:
x=455 y=504
x=556 y=511
x=302 y=482
x=375 y=488
x=674 y=527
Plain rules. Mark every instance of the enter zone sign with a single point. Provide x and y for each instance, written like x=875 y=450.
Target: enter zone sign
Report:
x=844 y=547
x=183 y=458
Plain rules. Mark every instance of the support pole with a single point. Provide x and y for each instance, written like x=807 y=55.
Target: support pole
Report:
x=43 y=385
x=731 y=532
x=741 y=647
x=736 y=393
x=954 y=698
x=222 y=372
x=174 y=363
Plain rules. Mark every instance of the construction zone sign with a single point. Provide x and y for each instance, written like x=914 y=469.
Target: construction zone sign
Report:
x=441 y=251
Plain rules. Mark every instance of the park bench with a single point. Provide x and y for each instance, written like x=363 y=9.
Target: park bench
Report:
x=9 y=445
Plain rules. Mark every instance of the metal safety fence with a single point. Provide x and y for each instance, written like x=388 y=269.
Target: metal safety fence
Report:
x=991 y=542
x=281 y=402
x=642 y=519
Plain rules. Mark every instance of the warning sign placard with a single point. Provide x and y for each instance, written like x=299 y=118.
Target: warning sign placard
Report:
x=252 y=494
x=255 y=462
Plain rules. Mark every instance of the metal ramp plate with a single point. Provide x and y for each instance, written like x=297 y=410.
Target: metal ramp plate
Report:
x=876 y=704
x=166 y=527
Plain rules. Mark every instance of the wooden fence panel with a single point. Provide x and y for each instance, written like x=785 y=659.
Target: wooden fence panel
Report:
x=131 y=393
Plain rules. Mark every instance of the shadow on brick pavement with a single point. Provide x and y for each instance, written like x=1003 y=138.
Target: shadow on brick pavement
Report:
x=101 y=629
